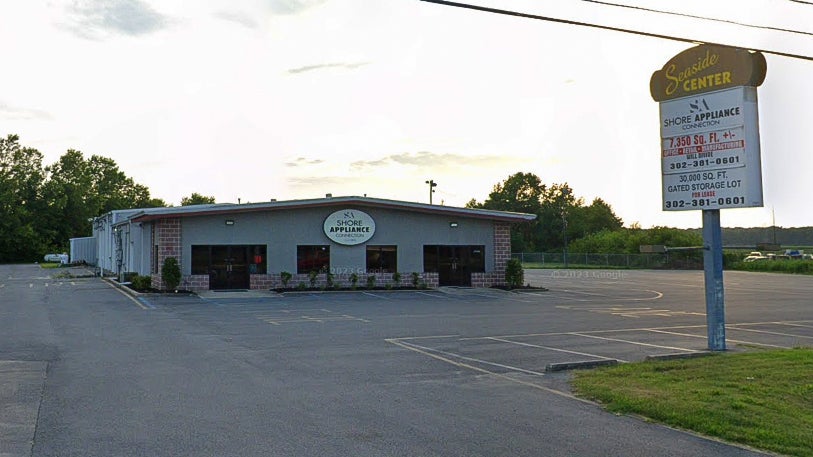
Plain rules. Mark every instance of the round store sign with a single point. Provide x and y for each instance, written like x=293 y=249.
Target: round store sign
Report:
x=349 y=227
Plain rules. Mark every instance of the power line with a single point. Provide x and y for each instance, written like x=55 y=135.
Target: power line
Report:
x=726 y=21
x=602 y=27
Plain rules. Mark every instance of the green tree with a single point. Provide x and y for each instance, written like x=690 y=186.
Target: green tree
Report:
x=21 y=176
x=197 y=199
x=586 y=220
x=556 y=217
x=521 y=193
x=560 y=214
x=79 y=189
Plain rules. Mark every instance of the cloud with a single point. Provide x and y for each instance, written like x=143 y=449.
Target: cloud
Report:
x=320 y=181
x=15 y=113
x=238 y=17
x=92 y=19
x=347 y=66
x=301 y=162
x=426 y=158
x=292 y=6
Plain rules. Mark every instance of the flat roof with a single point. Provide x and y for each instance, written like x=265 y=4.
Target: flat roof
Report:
x=150 y=214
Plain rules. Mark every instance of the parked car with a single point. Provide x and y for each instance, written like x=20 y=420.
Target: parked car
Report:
x=60 y=258
x=754 y=256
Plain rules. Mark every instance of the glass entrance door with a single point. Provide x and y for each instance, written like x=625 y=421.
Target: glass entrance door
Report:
x=229 y=268
x=453 y=264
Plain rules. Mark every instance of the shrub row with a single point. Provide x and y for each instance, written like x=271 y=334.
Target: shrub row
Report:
x=780 y=266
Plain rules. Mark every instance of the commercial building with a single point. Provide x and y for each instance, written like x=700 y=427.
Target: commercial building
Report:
x=337 y=239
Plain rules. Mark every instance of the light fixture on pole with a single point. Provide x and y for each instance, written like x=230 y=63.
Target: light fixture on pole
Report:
x=432 y=185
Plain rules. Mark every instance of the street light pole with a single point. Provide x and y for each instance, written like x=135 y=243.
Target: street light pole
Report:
x=432 y=185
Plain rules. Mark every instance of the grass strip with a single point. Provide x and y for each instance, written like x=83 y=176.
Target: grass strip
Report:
x=762 y=399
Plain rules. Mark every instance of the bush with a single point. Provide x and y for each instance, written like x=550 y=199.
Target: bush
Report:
x=396 y=279
x=514 y=275
x=370 y=281
x=330 y=281
x=171 y=273
x=778 y=266
x=141 y=282
x=312 y=277
x=285 y=277
x=128 y=276
x=354 y=280
x=416 y=278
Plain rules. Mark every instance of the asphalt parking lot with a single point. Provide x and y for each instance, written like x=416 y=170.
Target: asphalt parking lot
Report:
x=454 y=371
x=584 y=316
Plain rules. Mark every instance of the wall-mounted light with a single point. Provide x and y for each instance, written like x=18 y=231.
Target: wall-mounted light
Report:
x=453 y=224
x=229 y=222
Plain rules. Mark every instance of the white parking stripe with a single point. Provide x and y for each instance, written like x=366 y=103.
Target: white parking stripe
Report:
x=470 y=359
x=727 y=339
x=633 y=342
x=767 y=332
x=519 y=343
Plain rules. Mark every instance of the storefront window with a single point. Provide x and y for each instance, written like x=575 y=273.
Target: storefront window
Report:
x=200 y=260
x=257 y=260
x=382 y=259
x=250 y=258
x=312 y=258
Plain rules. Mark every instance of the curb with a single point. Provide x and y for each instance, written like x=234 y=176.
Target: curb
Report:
x=579 y=365
x=678 y=355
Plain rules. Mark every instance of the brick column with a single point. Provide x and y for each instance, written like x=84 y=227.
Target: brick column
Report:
x=502 y=250
x=168 y=238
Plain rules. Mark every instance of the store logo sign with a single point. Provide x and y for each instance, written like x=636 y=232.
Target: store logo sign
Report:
x=349 y=227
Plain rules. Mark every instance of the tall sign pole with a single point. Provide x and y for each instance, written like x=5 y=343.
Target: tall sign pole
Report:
x=710 y=154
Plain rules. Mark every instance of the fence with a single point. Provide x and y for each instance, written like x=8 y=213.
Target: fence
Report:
x=679 y=260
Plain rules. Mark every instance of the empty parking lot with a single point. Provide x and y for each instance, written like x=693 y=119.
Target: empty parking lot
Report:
x=447 y=372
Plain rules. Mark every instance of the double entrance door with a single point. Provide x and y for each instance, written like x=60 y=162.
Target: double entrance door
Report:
x=454 y=264
x=229 y=267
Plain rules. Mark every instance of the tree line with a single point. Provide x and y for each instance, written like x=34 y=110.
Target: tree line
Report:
x=43 y=206
x=562 y=217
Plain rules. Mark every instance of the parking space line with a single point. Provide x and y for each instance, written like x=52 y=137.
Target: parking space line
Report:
x=472 y=359
x=637 y=329
x=769 y=333
x=632 y=342
x=727 y=339
x=434 y=295
x=604 y=297
x=484 y=371
x=405 y=338
x=520 y=343
x=794 y=325
x=376 y=295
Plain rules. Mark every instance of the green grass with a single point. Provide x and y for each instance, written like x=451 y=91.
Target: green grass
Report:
x=49 y=265
x=762 y=399
x=804 y=267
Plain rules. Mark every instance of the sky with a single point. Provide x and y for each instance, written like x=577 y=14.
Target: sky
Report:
x=254 y=100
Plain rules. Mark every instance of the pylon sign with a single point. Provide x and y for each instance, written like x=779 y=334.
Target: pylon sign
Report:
x=709 y=123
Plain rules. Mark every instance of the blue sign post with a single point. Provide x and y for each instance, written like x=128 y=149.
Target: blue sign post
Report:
x=713 y=270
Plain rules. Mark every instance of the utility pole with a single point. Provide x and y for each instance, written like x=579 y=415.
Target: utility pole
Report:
x=432 y=185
